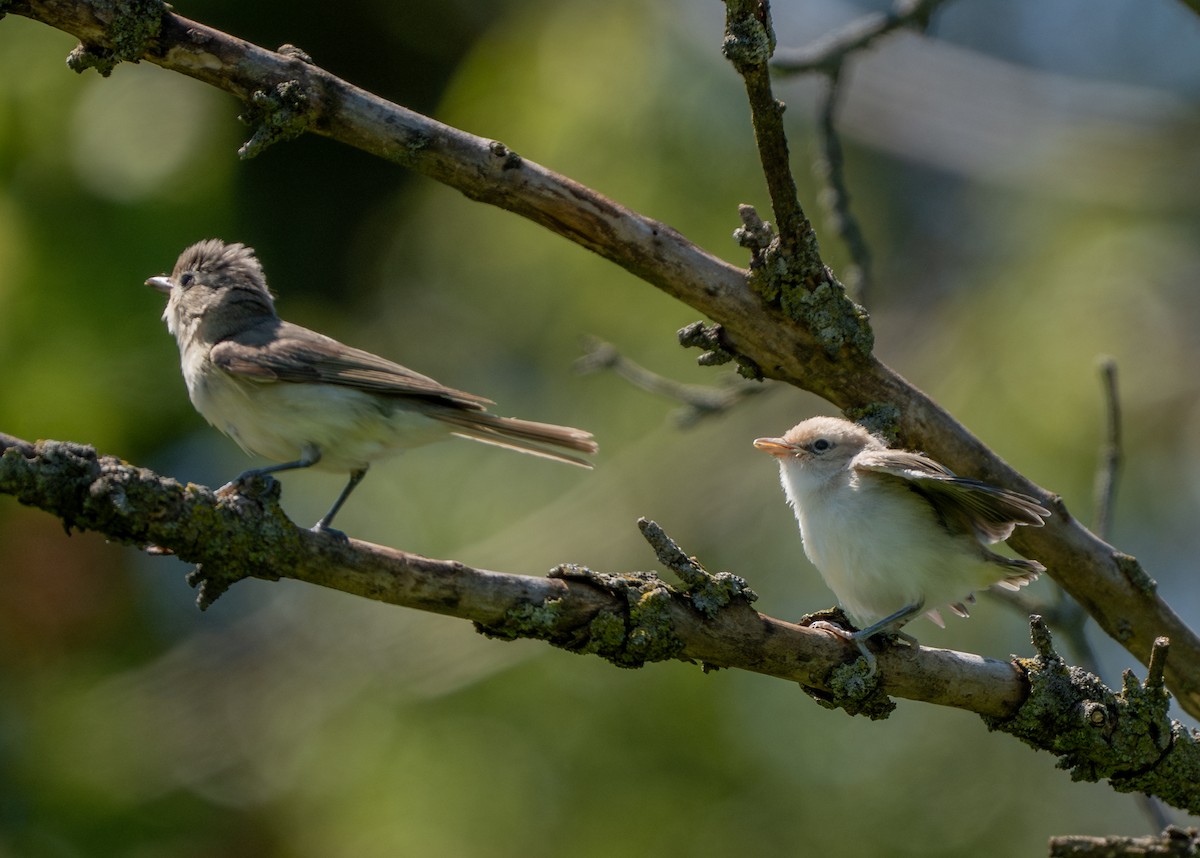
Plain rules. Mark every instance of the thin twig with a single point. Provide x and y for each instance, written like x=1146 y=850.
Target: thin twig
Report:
x=829 y=52
x=749 y=43
x=699 y=401
x=1110 y=454
x=829 y=168
x=1108 y=468
x=1065 y=614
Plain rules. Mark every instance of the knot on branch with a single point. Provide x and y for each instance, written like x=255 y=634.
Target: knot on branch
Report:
x=755 y=234
x=1134 y=573
x=509 y=160
x=1124 y=737
x=240 y=553
x=295 y=53
x=749 y=37
x=281 y=113
x=638 y=631
x=130 y=25
x=711 y=338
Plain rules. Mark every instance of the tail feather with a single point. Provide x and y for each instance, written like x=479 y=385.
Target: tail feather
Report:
x=1019 y=571
x=524 y=436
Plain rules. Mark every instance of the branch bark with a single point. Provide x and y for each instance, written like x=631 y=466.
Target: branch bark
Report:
x=285 y=93
x=628 y=618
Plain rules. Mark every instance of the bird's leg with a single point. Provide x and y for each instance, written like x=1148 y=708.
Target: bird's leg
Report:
x=890 y=624
x=309 y=457
x=322 y=526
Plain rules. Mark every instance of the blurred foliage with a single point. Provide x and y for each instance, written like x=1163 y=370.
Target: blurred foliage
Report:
x=290 y=722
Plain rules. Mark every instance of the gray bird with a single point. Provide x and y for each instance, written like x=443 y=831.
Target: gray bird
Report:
x=305 y=400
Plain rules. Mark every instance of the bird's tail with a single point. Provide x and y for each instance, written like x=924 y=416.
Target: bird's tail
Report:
x=524 y=436
x=1019 y=571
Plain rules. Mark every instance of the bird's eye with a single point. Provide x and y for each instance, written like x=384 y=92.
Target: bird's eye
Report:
x=187 y=279
x=821 y=445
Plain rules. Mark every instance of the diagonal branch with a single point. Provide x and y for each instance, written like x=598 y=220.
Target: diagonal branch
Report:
x=823 y=352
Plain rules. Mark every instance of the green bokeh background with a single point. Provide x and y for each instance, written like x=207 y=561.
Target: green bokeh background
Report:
x=1011 y=250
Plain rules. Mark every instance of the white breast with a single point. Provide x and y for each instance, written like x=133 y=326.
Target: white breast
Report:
x=879 y=546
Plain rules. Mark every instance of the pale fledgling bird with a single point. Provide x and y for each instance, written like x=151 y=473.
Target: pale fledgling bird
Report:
x=892 y=532
x=303 y=399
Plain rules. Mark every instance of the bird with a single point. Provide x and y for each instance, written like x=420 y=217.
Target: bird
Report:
x=894 y=533
x=304 y=400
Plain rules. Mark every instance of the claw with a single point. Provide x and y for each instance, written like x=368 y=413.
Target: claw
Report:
x=859 y=639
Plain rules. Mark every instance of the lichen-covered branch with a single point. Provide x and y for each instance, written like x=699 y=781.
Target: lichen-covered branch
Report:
x=806 y=334
x=786 y=267
x=629 y=618
x=749 y=44
x=1125 y=738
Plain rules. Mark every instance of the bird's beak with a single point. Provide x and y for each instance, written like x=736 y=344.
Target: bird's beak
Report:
x=162 y=283
x=775 y=446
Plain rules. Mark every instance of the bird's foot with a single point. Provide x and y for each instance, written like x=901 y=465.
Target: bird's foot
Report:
x=857 y=638
x=323 y=528
x=249 y=484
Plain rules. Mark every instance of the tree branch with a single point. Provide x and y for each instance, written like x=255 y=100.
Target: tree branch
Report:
x=810 y=336
x=1172 y=843
x=628 y=618
x=240 y=536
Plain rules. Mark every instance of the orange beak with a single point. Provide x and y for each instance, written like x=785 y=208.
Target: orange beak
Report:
x=775 y=446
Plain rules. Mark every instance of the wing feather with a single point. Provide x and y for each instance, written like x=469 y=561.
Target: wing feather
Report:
x=290 y=353
x=990 y=511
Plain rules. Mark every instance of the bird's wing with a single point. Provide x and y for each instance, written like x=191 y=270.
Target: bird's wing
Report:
x=287 y=352
x=991 y=512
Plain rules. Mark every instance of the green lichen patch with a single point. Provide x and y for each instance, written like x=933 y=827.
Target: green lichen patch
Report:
x=133 y=25
x=280 y=113
x=642 y=632
x=879 y=418
x=857 y=689
x=806 y=290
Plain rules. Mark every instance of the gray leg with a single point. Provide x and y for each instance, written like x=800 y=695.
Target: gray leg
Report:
x=323 y=525
x=311 y=457
x=890 y=624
